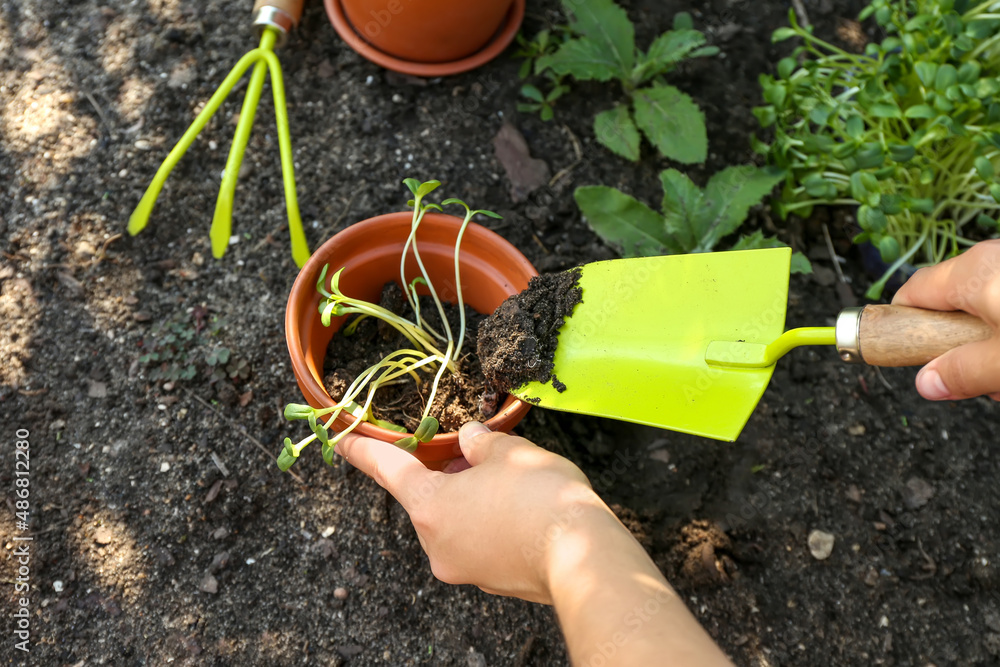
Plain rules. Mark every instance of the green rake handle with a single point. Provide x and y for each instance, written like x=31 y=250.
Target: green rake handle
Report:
x=274 y=18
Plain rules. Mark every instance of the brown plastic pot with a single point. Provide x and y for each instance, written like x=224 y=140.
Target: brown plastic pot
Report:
x=427 y=38
x=369 y=252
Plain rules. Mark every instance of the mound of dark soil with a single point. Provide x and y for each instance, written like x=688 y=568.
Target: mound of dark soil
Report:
x=517 y=344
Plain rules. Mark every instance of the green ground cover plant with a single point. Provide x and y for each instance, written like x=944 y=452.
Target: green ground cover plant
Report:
x=599 y=45
x=909 y=131
x=691 y=219
x=185 y=346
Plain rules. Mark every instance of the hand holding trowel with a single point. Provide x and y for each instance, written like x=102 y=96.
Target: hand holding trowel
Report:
x=686 y=342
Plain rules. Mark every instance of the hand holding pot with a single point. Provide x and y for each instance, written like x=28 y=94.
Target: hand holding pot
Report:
x=969 y=282
x=515 y=519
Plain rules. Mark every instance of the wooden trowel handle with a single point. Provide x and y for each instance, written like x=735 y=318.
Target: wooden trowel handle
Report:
x=904 y=336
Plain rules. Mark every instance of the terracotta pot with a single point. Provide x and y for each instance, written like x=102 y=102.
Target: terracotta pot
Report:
x=369 y=251
x=427 y=37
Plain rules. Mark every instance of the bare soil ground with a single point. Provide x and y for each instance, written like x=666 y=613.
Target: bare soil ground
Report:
x=164 y=533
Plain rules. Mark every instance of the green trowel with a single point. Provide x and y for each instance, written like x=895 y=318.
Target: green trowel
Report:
x=689 y=342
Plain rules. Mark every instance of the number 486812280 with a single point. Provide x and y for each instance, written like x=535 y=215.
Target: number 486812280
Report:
x=21 y=470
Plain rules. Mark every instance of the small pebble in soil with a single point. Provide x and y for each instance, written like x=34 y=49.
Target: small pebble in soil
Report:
x=820 y=544
x=57 y=586
x=102 y=536
x=340 y=593
x=917 y=493
x=209 y=584
x=164 y=467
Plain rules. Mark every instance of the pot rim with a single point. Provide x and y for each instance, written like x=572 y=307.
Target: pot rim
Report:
x=442 y=446
x=496 y=46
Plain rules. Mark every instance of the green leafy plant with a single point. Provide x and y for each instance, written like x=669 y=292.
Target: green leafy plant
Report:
x=431 y=353
x=542 y=103
x=180 y=348
x=603 y=49
x=692 y=219
x=909 y=131
x=545 y=43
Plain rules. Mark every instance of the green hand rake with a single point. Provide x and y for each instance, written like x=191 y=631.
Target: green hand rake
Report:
x=273 y=20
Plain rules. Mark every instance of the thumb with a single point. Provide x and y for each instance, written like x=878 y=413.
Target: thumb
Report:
x=478 y=442
x=964 y=372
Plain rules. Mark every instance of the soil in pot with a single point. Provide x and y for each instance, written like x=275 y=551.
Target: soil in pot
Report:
x=517 y=344
x=459 y=397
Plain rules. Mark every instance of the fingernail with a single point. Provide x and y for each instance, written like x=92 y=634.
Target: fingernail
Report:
x=471 y=430
x=931 y=386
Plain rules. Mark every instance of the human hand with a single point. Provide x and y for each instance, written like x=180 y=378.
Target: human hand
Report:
x=969 y=282
x=494 y=521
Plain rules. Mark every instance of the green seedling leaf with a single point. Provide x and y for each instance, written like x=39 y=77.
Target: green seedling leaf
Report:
x=872 y=220
x=532 y=93
x=922 y=111
x=766 y=116
x=902 y=152
x=672 y=122
x=786 y=66
x=428 y=429
x=886 y=110
x=995 y=192
x=624 y=222
x=608 y=25
x=682 y=201
x=388 y=426
x=855 y=127
x=926 y=72
x=295 y=411
x=582 y=59
x=288 y=456
x=413 y=185
x=426 y=188
x=328 y=453
x=285 y=461
x=321 y=434
x=727 y=200
x=781 y=34
x=683 y=21
x=984 y=168
x=891 y=204
x=409 y=444
x=888 y=247
x=987 y=223
x=419 y=280
x=616 y=131
x=666 y=51
x=946 y=77
x=606 y=49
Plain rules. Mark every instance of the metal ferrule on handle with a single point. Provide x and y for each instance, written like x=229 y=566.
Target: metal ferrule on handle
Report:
x=282 y=15
x=848 y=333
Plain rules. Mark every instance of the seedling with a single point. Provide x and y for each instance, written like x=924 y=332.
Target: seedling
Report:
x=603 y=49
x=430 y=354
x=545 y=43
x=693 y=220
x=179 y=349
x=909 y=131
